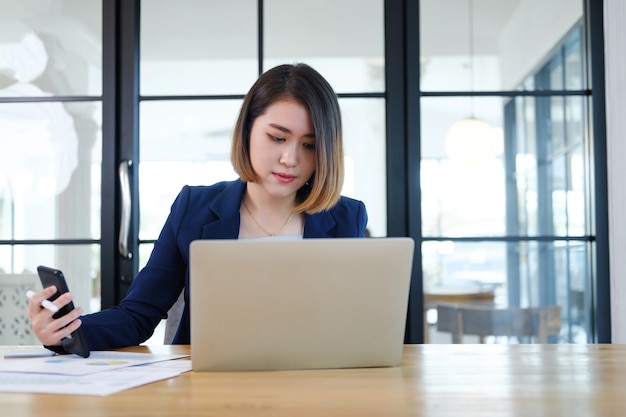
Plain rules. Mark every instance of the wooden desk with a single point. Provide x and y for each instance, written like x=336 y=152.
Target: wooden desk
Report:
x=433 y=380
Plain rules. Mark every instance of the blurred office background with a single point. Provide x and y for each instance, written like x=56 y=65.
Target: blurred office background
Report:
x=472 y=126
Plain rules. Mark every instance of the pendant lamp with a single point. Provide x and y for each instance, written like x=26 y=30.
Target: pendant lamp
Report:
x=470 y=139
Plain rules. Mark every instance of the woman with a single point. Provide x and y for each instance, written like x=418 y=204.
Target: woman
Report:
x=287 y=150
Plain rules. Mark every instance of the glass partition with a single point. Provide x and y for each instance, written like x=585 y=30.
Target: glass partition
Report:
x=343 y=40
x=505 y=194
x=51 y=141
x=190 y=47
x=50 y=48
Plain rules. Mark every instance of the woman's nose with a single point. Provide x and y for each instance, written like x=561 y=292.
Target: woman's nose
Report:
x=289 y=156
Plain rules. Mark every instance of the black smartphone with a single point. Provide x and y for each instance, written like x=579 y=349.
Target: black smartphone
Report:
x=75 y=343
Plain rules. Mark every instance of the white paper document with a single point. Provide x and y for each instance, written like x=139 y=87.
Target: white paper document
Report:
x=98 y=361
x=102 y=373
x=100 y=384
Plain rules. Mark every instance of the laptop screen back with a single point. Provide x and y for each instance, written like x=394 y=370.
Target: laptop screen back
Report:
x=304 y=304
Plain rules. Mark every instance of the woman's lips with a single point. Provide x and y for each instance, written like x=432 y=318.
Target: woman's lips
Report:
x=284 y=178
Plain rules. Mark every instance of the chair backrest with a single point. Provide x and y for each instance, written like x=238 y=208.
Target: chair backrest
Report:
x=174 y=316
x=15 y=326
x=535 y=322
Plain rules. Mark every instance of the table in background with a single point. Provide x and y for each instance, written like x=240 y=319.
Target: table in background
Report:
x=433 y=380
x=454 y=295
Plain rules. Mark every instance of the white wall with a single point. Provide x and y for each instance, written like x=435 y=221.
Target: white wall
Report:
x=615 y=61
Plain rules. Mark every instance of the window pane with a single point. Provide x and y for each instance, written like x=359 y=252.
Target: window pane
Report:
x=576 y=195
x=343 y=40
x=50 y=170
x=490 y=47
x=80 y=265
x=574 y=291
x=182 y=142
x=462 y=176
x=556 y=74
x=556 y=139
x=574 y=64
x=574 y=120
x=145 y=250
x=198 y=47
x=479 y=265
x=515 y=274
x=364 y=152
x=525 y=170
x=50 y=48
x=550 y=165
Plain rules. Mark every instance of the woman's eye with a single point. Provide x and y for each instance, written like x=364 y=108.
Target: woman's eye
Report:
x=309 y=146
x=276 y=139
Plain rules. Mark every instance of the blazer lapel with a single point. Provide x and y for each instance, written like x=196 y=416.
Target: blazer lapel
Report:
x=225 y=213
x=318 y=225
x=226 y=220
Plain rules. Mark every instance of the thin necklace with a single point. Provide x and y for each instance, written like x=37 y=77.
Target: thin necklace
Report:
x=261 y=227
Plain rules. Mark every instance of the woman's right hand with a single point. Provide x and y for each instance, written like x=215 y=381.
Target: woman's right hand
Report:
x=47 y=329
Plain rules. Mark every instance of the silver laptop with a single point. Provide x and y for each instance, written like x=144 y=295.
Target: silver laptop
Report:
x=298 y=304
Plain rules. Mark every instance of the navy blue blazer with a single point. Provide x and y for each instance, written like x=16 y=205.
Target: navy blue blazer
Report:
x=199 y=212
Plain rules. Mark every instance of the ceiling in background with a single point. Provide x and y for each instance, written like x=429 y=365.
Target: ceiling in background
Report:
x=444 y=25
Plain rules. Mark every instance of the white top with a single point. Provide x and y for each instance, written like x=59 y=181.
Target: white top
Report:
x=279 y=237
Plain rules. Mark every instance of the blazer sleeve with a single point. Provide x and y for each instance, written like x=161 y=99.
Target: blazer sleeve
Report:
x=152 y=292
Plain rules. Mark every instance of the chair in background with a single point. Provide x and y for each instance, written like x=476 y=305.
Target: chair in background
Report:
x=537 y=323
x=174 y=316
x=454 y=295
x=15 y=326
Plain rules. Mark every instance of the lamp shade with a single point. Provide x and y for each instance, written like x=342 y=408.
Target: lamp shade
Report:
x=470 y=141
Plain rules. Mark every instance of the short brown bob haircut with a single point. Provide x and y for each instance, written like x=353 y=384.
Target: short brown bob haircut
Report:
x=308 y=87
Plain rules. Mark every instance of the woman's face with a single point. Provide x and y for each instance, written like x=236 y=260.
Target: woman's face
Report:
x=282 y=148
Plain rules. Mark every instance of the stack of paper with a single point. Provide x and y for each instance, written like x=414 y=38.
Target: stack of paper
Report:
x=103 y=373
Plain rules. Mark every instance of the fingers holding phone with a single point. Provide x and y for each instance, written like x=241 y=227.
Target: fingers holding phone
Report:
x=49 y=329
x=63 y=326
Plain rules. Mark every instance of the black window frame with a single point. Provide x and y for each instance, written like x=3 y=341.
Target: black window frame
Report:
x=403 y=96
